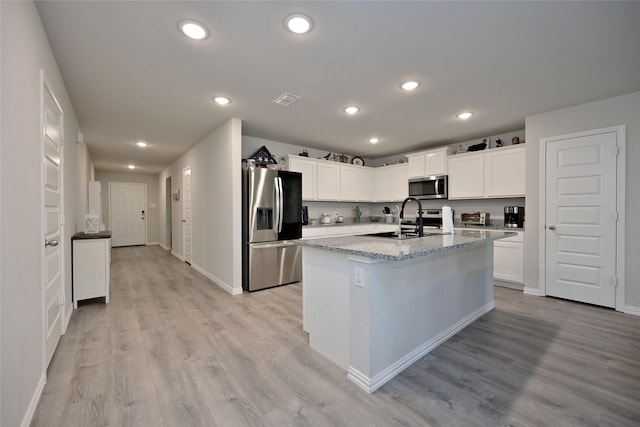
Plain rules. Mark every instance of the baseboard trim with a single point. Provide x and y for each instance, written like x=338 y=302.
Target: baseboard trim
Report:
x=532 y=291
x=629 y=309
x=216 y=280
x=370 y=385
x=166 y=248
x=31 y=409
x=67 y=318
x=153 y=243
x=177 y=255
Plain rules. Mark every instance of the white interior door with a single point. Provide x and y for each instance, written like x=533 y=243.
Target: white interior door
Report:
x=186 y=213
x=127 y=207
x=52 y=146
x=580 y=218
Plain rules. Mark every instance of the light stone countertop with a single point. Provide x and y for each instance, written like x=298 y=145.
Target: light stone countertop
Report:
x=396 y=250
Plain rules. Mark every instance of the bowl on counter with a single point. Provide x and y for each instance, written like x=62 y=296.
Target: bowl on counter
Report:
x=374 y=218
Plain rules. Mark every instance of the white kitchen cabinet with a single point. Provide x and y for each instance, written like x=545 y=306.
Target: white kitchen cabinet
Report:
x=91 y=267
x=488 y=174
x=508 y=259
x=505 y=172
x=391 y=183
x=429 y=163
x=308 y=168
x=356 y=183
x=328 y=180
x=466 y=176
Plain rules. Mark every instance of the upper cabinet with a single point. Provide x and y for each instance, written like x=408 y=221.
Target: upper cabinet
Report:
x=356 y=183
x=391 y=183
x=504 y=172
x=328 y=180
x=492 y=173
x=466 y=176
x=308 y=168
x=429 y=163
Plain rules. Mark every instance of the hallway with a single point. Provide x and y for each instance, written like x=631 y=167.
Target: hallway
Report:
x=173 y=349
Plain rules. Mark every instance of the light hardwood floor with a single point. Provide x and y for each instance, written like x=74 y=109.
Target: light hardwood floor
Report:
x=173 y=349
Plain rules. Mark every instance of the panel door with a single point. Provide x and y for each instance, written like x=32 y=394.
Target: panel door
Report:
x=52 y=140
x=580 y=216
x=127 y=209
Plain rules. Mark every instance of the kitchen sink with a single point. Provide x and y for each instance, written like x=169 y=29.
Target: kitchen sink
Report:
x=393 y=235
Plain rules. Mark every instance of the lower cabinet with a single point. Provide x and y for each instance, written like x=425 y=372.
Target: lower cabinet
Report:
x=91 y=268
x=508 y=259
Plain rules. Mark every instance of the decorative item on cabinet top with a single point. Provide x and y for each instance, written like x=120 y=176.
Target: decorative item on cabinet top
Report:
x=358 y=161
x=263 y=157
x=334 y=157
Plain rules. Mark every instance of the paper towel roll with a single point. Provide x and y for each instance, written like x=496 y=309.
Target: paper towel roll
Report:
x=447 y=220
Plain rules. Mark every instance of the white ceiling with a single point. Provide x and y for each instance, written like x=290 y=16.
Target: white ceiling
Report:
x=131 y=75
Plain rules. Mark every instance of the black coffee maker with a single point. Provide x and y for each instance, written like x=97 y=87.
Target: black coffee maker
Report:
x=514 y=216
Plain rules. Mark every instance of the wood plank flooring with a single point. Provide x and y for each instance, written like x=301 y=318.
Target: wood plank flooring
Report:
x=173 y=349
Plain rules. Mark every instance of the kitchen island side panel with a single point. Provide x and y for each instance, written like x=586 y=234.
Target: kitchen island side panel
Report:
x=395 y=312
x=409 y=307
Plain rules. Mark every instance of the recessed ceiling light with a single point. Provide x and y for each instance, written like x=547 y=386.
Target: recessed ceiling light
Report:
x=410 y=85
x=142 y=144
x=298 y=23
x=131 y=166
x=374 y=140
x=465 y=115
x=221 y=100
x=351 y=110
x=194 y=30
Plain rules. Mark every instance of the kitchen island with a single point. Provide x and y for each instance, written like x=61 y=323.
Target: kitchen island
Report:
x=375 y=305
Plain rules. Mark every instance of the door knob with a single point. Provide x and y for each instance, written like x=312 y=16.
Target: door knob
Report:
x=50 y=243
x=552 y=227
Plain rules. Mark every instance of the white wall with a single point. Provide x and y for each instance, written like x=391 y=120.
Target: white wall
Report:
x=216 y=166
x=25 y=50
x=621 y=110
x=153 y=207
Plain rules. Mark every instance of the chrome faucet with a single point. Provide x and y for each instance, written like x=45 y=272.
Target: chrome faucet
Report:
x=419 y=226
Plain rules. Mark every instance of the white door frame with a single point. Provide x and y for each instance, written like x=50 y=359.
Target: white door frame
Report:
x=184 y=240
x=620 y=207
x=44 y=86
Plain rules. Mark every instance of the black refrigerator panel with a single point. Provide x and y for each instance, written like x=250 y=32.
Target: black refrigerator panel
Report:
x=291 y=205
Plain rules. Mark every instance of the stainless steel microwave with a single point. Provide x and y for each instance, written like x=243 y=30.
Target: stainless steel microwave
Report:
x=429 y=187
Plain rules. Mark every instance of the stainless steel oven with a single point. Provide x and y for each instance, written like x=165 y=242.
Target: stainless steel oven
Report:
x=430 y=187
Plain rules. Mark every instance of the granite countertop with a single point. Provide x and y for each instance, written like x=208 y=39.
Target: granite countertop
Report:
x=84 y=236
x=493 y=226
x=349 y=221
x=396 y=250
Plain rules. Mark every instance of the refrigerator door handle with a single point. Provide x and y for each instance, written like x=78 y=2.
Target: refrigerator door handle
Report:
x=276 y=204
x=279 y=203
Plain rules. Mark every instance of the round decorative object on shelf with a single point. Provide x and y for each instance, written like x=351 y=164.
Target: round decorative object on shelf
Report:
x=358 y=161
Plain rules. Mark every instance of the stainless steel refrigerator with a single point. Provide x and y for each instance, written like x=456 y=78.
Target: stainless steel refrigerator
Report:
x=272 y=209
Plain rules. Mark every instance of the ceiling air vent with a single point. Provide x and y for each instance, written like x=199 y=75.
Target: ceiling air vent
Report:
x=286 y=99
